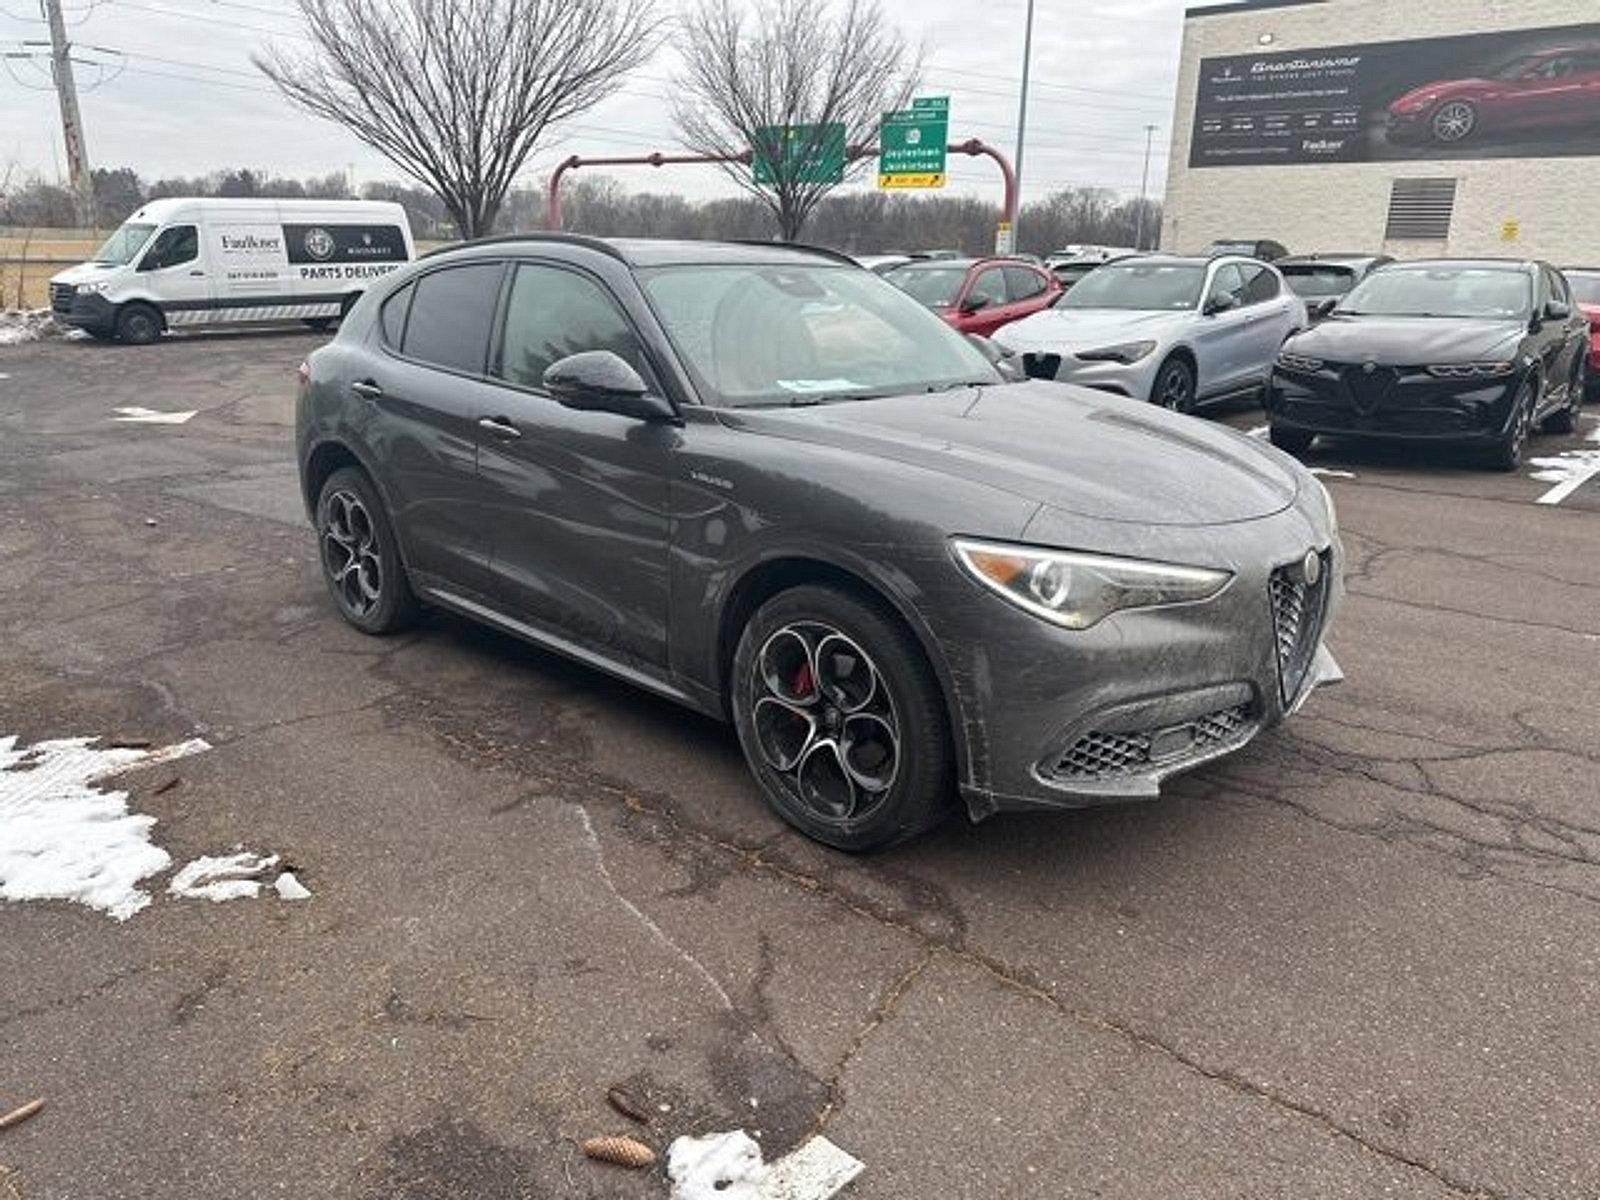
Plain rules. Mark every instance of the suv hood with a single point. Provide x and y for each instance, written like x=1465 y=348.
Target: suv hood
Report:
x=1081 y=451
x=1408 y=341
x=1070 y=329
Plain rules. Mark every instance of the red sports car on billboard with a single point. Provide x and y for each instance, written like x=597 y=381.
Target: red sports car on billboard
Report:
x=1553 y=89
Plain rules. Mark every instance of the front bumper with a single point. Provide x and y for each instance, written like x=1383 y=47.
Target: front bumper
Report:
x=1054 y=718
x=1133 y=380
x=1391 y=402
x=83 y=310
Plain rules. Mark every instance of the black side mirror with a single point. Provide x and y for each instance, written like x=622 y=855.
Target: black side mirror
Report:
x=973 y=304
x=601 y=381
x=1557 y=310
x=1220 y=303
x=1321 y=308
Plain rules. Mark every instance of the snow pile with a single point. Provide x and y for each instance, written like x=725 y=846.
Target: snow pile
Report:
x=230 y=877
x=65 y=839
x=728 y=1166
x=289 y=887
x=18 y=325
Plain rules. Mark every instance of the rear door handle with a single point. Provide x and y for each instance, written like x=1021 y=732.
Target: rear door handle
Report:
x=499 y=427
x=367 y=390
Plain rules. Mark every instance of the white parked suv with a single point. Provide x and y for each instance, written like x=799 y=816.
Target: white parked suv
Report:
x=1175 y=331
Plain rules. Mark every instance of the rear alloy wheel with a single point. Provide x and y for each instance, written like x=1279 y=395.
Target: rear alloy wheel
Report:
x=1454 y=122
x=360 y=559
x=1506 y=454
x=1565 y=419
x=1290 y=441
x=1174 y=386
x=841 y=720
x=138 y=325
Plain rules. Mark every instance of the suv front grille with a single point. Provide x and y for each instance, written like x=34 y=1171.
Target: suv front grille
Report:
x=61 y=297
x=1041 y=366
x=1369 y=389
x=1297 y=612
x=1098 y=755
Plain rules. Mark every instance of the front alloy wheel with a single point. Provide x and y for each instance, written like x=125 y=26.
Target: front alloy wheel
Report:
x=1506 y=454
x=841 y=719
x=1174 y=386
x=1454 y=121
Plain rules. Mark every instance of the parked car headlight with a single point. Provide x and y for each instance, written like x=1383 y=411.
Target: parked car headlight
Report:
x=85 y=289
x=1300 y=363
x=1079 y=590
x=1477 y=370
x=1126 y=352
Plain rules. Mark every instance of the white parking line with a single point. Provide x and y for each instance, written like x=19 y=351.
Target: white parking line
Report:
x=148 y=416
x=1569 y=472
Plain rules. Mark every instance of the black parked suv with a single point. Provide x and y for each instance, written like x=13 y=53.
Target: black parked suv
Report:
x=767 y=484
x=1449 y=350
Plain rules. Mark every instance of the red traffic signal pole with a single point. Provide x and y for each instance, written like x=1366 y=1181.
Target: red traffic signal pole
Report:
x=972 y=148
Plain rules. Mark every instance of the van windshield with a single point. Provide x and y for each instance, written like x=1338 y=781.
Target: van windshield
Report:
x=123 y=245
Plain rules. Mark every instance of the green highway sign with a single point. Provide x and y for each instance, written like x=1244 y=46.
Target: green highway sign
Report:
x=798 y=154
x=911 y=144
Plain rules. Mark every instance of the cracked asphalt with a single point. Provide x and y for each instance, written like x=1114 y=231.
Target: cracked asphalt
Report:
x=1359 y=959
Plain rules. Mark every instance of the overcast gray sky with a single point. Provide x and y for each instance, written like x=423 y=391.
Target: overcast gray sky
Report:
x=179 y=95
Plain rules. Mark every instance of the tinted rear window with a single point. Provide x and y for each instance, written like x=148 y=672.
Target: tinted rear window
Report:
x=451 y=312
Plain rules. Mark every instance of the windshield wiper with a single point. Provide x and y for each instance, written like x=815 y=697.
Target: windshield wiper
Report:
x=952 y=387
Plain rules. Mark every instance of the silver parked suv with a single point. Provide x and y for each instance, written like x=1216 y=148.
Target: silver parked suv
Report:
x=1175 y=331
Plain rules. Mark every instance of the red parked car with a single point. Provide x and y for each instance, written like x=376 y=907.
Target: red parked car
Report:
x=978 y=295
x=1585 y=285
x=1551 y=89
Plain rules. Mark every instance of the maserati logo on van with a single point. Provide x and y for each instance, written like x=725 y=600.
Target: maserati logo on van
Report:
x=319 y=244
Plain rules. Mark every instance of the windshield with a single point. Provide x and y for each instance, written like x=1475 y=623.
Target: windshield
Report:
x=1520 y=68
x=1585 y=288
x=1483 y=292
x=1319 y=282
x=123 y=245
x=937 y=287
x=1148 y=287
x=762 y=335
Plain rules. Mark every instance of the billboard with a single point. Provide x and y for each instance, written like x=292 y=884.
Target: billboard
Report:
x=1512 y=94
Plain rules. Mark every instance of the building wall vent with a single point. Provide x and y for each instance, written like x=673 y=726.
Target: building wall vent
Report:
x=1420 y=210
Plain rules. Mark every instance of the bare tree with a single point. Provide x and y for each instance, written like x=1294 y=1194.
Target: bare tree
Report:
x=456 y=93
x=798 y=63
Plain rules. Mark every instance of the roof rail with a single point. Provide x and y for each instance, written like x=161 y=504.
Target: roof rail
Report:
x=571 y=239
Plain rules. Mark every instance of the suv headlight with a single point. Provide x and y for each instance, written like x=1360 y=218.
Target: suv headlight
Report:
x=1477 y=370
x=85 y=289
x=1125 y=352
x=1300 y=363
x=1079 y=590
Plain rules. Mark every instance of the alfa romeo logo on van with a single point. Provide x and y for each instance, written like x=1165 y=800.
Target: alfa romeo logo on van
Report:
x=319 y=244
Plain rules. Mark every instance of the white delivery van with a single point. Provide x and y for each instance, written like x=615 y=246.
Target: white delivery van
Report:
x=181 y=264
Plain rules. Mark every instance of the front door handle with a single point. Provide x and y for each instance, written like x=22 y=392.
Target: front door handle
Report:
x=367 y=390
x=500 y=427
x=197 y=272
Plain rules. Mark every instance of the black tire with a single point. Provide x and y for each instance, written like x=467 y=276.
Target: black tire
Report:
x=1174 y=385
x=1506 y=453
x=318 y=324
x=139 y=324
x=1565 y=419
x=1290 y=441
x=359 y=555
x=900 y=777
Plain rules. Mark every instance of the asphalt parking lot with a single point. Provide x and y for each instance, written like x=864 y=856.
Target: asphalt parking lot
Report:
x=1360 y=959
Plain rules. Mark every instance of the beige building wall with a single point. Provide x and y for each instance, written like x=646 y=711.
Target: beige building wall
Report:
x=1344 y=206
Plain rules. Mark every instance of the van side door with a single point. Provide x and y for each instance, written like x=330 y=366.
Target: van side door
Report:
x=175 y=275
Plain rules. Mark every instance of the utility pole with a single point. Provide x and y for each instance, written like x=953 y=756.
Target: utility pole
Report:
x=1144 y=186
x=1006 y=242
x=71 y=122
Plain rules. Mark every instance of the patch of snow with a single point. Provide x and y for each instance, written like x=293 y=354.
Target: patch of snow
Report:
x=1569 y=471
x=226 y=877
x=19 y=325
x=290 y=888
x=1260 y=431
x=134 y=415
x=728 y=1166
x=1332 y=474
x=66 y=839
